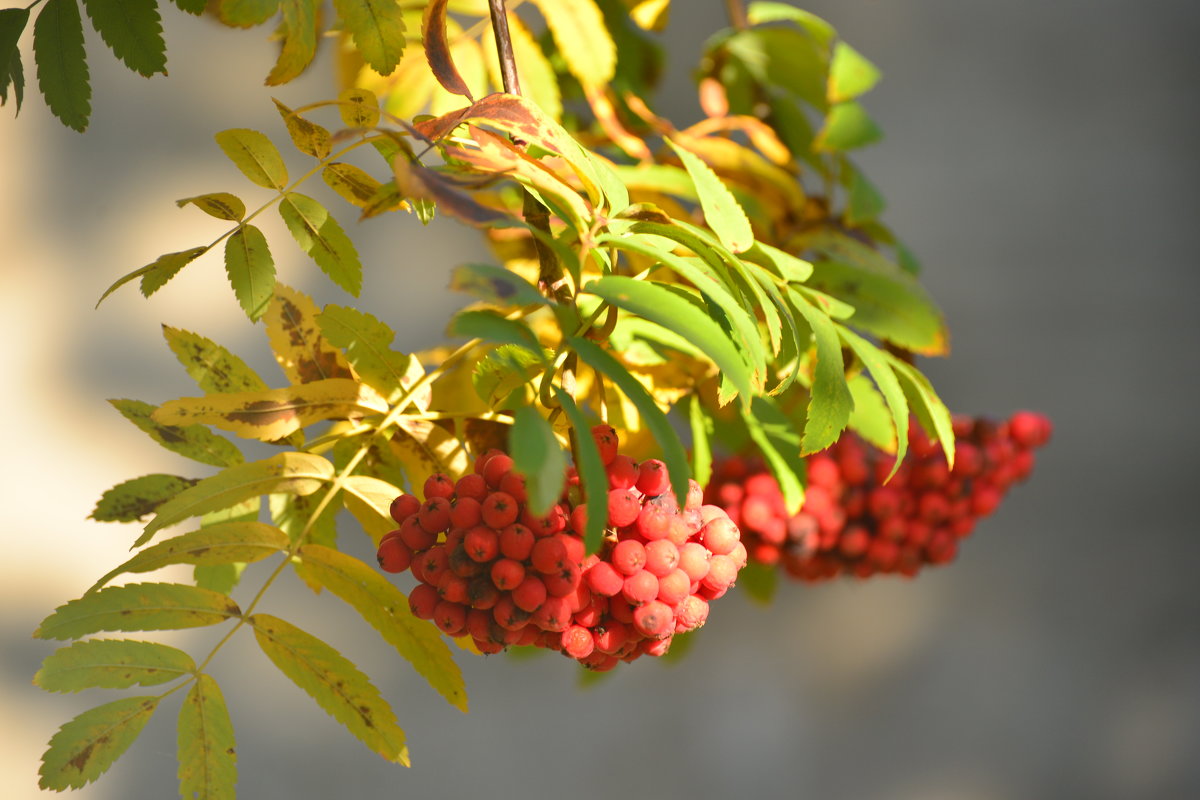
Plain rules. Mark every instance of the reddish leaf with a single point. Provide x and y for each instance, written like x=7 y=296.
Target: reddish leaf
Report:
x=437 y=50
x=417 y=180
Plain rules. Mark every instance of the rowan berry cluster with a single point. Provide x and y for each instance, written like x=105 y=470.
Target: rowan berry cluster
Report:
x=853 y=523
x=489 y=569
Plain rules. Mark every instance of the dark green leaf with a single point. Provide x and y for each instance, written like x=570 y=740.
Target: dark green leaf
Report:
x=378 y=30
x=207 y=755
x=84 y=748
x=15 y=75
x=786 y=58
x=254 y=154
x=652 y=301
x=591 y=473
x=111 y=664
x=12 y=25
x=193 y=441
x=673 y=454
x=62 y=63
x=136 y=498
x=138 y=607
x=192 y=6
x=250 y=269
x=133 y=31
x=385 y=608
x=538 y=456
x=320 y=235
x=336 y=684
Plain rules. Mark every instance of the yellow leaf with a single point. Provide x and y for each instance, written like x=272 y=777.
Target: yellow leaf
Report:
x=425 y=448
x=301 y=351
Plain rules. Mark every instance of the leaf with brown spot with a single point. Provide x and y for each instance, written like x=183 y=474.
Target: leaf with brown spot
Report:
x=194 y=441
x=84 y=748
x=225 y=543
x=111 y=664
x=367 y=343
x=309 y=137
x=207 y=757
x=334 y=682
x=133 y=499
x=138 y=607
x=293 y=473
x=354 y=184
x=437 y=50
x=386 y=609
x=415 y=180
x=276 y=413
x=301 y=350
x=213 y=367
x=221 y=205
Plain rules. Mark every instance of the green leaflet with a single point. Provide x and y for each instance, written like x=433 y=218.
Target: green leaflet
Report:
x=224 y=577
x=779 y=443
x=221 y=205
x=213 y=367
x=62 y=63
x=652 y=301
x=250 y=269
x=111 y=664
x=492 y=327
x=378 y=30
x=134 y=499
x=503 y=371
x=138 y=607
x=702 y=429
x=296 y=473
x=721 y=209
x=496 y=285
x=583 y=40
x=299 y=40
x=850 y=74
x=84 y=748
x=254 y=154
x=309 y=137
x=320 y=235
x=367 y=343
x=764 y=11
x=336 y=684
x=246 y=13
x=207 y=754
x=846 y=127
x=673 y=454
x=133 y=31
x=786 y=58
x=538 y=456
x=923 y=400
x=881 y=371
x=12 y=25
x=192 y=6
x=781 y=263
x=591 y=473
x=156 y=274
x=193 y=441
x=863 y=201
x=871 y=418
x=225 y=543
x=385 y=608
x=830 y=403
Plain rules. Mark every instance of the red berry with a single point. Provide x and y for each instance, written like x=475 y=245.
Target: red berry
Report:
x=482 y=543
x=577 y=641
x=628 y=556
x=415 y=536
x=640 y=587
x=514 y=484
x=673 y=587
x=471 y=485
x=393 y=554
x=662 y=557
x=549 y=555
x=654 y=619
x=507 y=574
x=496 y=468
x=622 y=472
x=450 y=617
x=603 y=579
x=530 y=594
x=438 y=485
x=434 y=515
x=653 y=478
x=623 y=508
x=465 y=512
x=606 y=441
x=422 y=600
x=516 y=542
x=404 y=507
x=500 y=509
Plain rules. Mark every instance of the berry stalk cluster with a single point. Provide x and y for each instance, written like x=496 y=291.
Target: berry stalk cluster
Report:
x=486 y=567
x=854 y=523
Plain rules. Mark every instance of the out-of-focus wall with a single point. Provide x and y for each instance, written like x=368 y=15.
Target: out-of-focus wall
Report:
x=1040 y=160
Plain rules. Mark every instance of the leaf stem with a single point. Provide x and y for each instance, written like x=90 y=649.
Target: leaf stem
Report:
x=737 y=14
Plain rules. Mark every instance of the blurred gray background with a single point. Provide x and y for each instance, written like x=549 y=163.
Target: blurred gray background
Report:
x=1040 y=159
